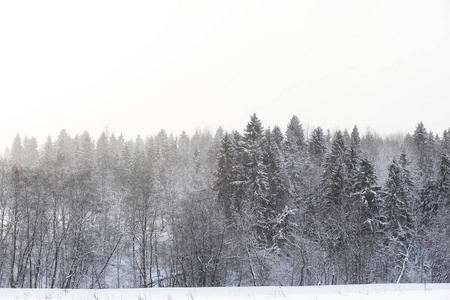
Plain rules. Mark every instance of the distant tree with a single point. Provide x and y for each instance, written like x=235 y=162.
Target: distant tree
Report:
x=317 y=146
x=30 y=152
x=226 y=179
x=16 y=151
x=423 y=153
x=354 y=156
x=295 y=136
x=278 y=137
x=295 y=154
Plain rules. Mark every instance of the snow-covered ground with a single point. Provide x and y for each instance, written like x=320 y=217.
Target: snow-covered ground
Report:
x=347 y=292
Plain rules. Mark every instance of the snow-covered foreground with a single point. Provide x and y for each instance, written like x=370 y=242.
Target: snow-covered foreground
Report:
x=348 y=292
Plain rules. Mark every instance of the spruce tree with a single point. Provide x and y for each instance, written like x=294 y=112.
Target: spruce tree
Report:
x=256 y=185
x=224 y=176
x=423 y=153
x=295 y=136
x=295 y=157
x=279 y=191
x=398 y=204
x=317 y=146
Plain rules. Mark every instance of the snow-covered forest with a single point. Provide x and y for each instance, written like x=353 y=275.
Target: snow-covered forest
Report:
x=265 y=206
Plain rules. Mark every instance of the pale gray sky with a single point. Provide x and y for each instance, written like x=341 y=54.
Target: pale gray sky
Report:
x=137 y=67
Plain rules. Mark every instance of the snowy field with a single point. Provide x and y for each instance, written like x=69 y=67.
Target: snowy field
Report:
x=348 y=292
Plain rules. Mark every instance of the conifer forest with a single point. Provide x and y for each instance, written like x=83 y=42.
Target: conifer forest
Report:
x=261 y=206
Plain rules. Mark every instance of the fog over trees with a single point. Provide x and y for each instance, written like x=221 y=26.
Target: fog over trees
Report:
x=265 y=206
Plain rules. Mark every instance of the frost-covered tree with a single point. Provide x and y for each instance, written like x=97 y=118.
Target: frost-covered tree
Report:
x=256 y=184
x=354 y=156
x=294 y=152
x=423 y=153
x=224 y=175
x=398 y=205
x=295 y=136
x=317 y=146
x=436 y=234
x=279 y=206
x=336 y=208
x=334 y=176
x=365 y=220
x=16 y=151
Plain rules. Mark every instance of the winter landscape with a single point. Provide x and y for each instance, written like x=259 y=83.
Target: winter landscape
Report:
x=232 y=149
x=256 y=208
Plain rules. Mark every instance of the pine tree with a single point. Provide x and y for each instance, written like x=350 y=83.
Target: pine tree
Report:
x=354 y=156
x=366 y=189
x=225 y=175
x=295 y=157
x=335 y=230
x=444 y=180
x=445 y=145
x=16 y=151
x=255 y=169
x=423 y=153
x=399 y=201
x=103 y=156
x=334 y=177
x=365 y=222
x=295 y=136
x=441 y=265
x=278 y=137
x=256 y=185
x=279 y=191
x=30 y=152
x=317 y=146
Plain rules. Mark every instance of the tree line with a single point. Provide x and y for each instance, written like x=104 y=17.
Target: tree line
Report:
x=261 y=207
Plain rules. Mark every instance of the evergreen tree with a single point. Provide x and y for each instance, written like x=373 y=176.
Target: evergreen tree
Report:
x=317 y=146
x=437 y=233
x=30 y=152
x=278 y=137
x=334 y=177
x=445 y=145
x=294 y=152
x=354 y=156
x=254 y=167
x=295 y=136
x=16 y=151
x=366 y=189
x=103 y=156
x=279 y=191
x=365 y=221
x=423 y=153
x=335 y=208
x=399 y=200
x=256 y=185
x=224 y=175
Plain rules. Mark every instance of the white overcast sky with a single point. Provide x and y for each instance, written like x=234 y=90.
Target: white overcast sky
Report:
x=138 y=67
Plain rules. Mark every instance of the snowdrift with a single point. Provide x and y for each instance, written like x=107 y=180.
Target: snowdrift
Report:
x=348 y=292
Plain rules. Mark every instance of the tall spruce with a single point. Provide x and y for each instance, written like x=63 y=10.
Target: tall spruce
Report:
x=256 y=185
x=279 y=191
x=398 y=205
